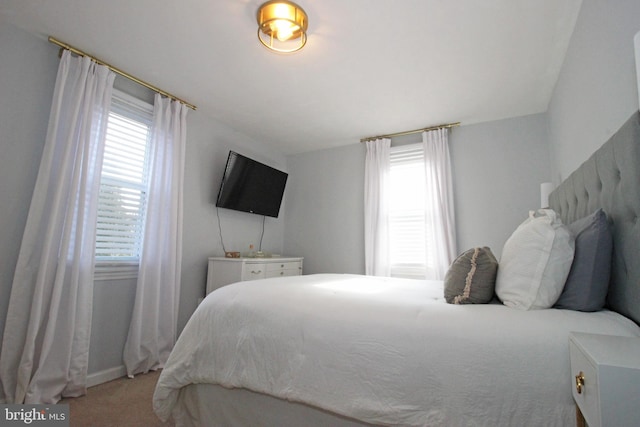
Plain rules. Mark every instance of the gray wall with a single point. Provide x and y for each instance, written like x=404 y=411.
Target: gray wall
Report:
x=597 y=89
x=498 y=168
x=27 y=76
x=595 y=94
x=325 y=210
x=26 y=88
x=497 y=171
x=208 y=144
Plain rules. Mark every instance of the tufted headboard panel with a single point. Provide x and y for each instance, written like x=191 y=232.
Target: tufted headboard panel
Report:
x=610 y=179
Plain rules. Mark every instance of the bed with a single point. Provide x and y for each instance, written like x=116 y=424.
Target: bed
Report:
x=349 y=350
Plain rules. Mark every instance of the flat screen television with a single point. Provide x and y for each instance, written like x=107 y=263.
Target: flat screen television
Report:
x=250 y=186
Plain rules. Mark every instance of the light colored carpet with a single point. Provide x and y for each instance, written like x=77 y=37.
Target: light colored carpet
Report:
x=123 y=402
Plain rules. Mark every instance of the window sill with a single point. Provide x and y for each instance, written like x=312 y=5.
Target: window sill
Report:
x=115 y=270
x=409 y=271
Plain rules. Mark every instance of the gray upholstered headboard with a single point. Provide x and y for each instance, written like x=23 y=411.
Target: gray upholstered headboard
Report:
x=610 y=179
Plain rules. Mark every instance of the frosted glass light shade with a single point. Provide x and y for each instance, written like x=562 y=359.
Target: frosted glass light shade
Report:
x=545 y=189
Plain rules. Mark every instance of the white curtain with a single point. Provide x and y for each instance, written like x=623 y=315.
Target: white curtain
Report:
x=440 y=217
x=152 y=332
x=376 y=219
x=45 y=348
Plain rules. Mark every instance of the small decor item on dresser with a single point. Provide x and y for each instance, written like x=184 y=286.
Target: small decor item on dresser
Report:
x=232 y=254
x=250 y=254
x=471 y=278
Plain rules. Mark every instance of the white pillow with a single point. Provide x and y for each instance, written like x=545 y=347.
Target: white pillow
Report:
x=535 y=262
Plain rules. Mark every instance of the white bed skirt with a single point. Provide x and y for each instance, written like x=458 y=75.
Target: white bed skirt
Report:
x=215 y=406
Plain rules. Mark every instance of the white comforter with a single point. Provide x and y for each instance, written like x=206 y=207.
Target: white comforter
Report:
x=383 y=351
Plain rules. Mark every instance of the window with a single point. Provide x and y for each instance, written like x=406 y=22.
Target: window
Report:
x=407 y=240
x=124 y=181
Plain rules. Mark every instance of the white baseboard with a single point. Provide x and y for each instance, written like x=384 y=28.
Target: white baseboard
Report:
x=106 y=375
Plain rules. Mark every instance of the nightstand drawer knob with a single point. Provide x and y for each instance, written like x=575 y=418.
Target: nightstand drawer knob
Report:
x=579 y=382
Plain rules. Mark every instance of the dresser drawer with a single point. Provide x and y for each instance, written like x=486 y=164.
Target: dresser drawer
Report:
x=281 y=269
x=283 y=273
x=280 y=266
x=251 y=271
x=586 y=396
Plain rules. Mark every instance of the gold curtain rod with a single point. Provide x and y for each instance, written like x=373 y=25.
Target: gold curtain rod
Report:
x=118 y=71
x=409 y=132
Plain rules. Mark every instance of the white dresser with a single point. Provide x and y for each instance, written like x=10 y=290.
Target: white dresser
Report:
x=605 y=373
x=223 y=271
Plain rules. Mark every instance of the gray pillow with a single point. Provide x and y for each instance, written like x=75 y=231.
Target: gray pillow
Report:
x=471 y=278
x=588 y=281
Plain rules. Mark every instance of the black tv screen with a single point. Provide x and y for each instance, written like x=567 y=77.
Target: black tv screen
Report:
x=251 y=186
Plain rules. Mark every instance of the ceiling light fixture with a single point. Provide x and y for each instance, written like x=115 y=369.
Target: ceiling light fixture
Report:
x=282 y=26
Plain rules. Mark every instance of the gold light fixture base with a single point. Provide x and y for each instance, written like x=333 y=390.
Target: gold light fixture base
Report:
x=282 y=26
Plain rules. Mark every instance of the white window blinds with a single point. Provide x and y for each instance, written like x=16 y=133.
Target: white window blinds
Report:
x=407 y=212
x=124 y=180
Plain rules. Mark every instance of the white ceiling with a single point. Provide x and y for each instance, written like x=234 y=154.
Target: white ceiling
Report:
x=370 y=67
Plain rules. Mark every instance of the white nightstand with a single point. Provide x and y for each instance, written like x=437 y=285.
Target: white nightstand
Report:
x=605 y=373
